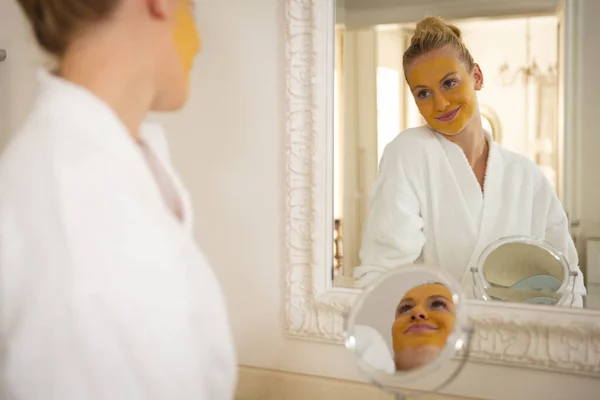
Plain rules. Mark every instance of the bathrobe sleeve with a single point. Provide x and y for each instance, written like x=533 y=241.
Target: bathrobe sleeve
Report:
x=372 y=349
x=393 y=230
x=94 y=301
x=558 y=235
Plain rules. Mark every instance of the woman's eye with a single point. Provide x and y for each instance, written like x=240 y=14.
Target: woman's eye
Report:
x=422 y=94
x=404 y=309
x=438 y=304
x=450 y=83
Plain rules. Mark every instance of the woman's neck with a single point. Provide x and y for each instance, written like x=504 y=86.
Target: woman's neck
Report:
x=114 y=74
x=473 y=142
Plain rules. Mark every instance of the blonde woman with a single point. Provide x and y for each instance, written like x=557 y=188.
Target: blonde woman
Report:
x=104 y=294
x=444 y=190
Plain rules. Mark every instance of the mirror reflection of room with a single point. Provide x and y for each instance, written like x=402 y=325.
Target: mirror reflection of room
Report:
x=410 y=185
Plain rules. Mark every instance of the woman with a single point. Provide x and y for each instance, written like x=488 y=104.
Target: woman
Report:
x=424 y=320
x=444 y=191
x=104 y=294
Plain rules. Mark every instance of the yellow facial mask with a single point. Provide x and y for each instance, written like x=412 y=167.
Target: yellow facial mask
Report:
x=444 y=93
x=424 y=317
x=186 y=36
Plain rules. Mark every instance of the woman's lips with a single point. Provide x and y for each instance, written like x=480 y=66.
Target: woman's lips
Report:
x=449 y=116
x=420 y=328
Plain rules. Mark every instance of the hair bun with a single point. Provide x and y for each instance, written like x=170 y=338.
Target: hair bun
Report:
x=433 y=33
x=436 y=25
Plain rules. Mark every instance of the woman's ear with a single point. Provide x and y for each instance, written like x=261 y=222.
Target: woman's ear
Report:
x=159 y=8
x=478 y=77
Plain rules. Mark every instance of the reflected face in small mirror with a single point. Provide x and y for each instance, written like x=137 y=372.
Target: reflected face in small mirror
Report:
x=407 y=325
x=424 y=319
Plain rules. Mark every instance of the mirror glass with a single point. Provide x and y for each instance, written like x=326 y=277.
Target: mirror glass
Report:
x=407 y=326
x=526 y=270
x=440 y=154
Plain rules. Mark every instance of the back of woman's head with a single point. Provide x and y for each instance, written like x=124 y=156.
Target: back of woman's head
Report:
x=433 y=33
x=55 y=22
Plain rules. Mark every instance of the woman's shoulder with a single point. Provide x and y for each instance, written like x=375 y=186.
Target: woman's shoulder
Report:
x=411 y=141
x=419 y=135
x=27 y=154
x=519 y=168
x=50 y=160
x=518 y=163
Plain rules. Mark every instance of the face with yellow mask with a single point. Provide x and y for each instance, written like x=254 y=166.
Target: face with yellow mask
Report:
x=183 y=45
x=186 y=36
x=444 y=90
x=424 y=320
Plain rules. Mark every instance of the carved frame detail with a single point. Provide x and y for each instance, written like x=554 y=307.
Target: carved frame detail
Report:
x=541 y=338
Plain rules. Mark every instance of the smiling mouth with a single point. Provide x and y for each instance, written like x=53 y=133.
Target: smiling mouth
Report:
x=420 y=328
x=449 y=116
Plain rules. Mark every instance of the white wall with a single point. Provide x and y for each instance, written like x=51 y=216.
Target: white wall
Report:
x=390 y=96
x=373 y=12
x=229 y=147
x=17 y=83
x=509 y=100
x=588 y=148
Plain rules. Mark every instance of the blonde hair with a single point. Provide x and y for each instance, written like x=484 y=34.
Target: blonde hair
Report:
x=54 y=22
x=434 y=33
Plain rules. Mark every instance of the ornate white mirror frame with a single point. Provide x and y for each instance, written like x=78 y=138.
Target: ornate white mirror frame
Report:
x=543 y=338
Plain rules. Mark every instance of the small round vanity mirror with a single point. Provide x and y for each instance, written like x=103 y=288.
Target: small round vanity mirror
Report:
x=524 y=270
x=405 y=329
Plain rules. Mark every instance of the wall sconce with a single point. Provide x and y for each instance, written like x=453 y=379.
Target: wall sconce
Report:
x=531 y=71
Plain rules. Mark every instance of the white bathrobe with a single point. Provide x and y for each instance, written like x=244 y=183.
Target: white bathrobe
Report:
x=104 y=294
x=427 y=206
x=372 y=349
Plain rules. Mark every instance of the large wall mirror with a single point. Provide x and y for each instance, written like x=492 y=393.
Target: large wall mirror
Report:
x=513 y=236
x=384 y=217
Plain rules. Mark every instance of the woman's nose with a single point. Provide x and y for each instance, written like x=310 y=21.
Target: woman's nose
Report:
x=439 y=102
x=418 y=314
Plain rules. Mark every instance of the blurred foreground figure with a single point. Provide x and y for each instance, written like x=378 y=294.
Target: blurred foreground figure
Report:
x=103 y=292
